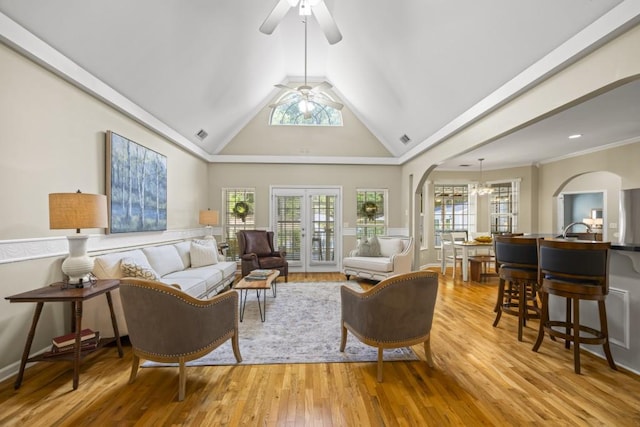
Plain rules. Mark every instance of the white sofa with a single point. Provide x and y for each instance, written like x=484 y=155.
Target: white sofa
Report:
x=396 y=256
x=171 y=262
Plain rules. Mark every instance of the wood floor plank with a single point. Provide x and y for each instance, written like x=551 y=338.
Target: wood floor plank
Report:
x=482 y=376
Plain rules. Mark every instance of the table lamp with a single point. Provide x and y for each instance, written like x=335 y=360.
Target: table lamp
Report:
x=77 y=210
x=209 y=218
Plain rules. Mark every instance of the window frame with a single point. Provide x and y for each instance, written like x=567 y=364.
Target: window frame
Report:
x=469 y=214
x=231 y=224
x=514 y=203
x=365 y=225
x=316 y=115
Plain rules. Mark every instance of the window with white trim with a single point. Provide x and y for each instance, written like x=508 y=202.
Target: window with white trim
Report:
x=239 y=214
x=371 y=208
x=451 y=210
x=503 y=207
x=292 y=110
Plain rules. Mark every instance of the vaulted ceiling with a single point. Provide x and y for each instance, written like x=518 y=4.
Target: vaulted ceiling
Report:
x=403 y=67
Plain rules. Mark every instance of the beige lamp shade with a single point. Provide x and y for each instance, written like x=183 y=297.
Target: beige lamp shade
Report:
x=209 y=217
x=77 y=210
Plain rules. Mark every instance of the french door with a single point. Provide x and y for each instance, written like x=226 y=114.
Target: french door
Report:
x=306 y=225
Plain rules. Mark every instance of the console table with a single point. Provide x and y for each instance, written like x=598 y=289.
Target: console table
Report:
x=60 y=292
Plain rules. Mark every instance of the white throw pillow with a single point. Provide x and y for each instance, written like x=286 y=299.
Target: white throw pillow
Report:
x=132 y=268
x=164 y=259
x=202 y=255
x=390 y=247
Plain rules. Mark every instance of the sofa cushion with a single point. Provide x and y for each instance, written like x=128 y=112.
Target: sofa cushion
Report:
x=164 y=259
x=184 y=249
x=227 y=268
x=381 y=264
x=194 y=286
x=195 y=281
x=107 y=266
x=132 y=268
x=369 y=247
x=390 y=247
x=202 y=255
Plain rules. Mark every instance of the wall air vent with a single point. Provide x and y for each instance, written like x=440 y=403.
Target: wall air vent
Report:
x=405 y=139
x=202 y=134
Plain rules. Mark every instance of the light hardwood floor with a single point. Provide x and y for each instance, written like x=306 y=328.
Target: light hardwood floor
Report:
x=483 y=376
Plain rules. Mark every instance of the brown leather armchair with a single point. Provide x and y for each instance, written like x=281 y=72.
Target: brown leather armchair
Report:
x=256 y=251
x=397 y=312
x=194 y=328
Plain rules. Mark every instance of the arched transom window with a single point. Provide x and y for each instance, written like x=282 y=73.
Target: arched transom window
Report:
x=290 y=109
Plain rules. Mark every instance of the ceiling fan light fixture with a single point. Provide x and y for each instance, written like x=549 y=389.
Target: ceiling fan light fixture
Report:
x=305 y=106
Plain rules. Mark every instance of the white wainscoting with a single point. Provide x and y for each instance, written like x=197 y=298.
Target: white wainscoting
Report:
x=29 y=249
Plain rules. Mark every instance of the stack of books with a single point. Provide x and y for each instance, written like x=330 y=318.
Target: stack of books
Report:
x=258 y=275
x=65 y=343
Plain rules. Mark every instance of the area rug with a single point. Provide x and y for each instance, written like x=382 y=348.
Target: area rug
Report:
x=302 y=326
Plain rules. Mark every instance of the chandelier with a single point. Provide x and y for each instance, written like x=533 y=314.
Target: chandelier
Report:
x=481 y=188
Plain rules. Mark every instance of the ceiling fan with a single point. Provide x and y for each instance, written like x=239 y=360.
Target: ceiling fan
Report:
x=308 y=94
x=317 y=7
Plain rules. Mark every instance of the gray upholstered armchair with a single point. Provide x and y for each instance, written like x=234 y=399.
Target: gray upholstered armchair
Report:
x=167 y=325
x=397 y=312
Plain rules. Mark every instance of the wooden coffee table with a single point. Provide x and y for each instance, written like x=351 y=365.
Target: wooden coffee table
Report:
x=260 y=286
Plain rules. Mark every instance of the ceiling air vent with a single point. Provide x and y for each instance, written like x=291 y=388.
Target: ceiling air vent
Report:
x=405 y=139
x=202 y=134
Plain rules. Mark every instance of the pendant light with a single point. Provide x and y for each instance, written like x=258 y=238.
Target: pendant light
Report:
x=481 y=188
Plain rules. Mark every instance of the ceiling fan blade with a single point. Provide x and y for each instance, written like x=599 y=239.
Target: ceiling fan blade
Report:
x=285 y=87
x=276 y=15
x=279 y=103
x=328 y=102
x=328 y=25
x=321 y=86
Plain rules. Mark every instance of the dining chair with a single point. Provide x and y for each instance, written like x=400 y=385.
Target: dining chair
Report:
x=450 y=253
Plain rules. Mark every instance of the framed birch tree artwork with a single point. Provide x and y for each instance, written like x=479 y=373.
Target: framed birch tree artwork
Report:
x=136 y=186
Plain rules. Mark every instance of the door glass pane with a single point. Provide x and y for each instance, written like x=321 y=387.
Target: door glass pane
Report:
x=323 y=209
x=288 y=213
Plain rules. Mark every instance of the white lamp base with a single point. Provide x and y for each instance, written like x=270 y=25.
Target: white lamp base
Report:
x=209 y=234
x=78 y=265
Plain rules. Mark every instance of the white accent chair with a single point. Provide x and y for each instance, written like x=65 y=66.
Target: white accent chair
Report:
x=396 y=256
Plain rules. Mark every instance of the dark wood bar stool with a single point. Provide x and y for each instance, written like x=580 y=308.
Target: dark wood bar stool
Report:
x=518 y=272
x=575 y=271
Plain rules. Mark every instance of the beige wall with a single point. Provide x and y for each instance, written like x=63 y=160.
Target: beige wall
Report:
x=52 y=139
x=576 y=174
x=349 y=177
x=351 y=139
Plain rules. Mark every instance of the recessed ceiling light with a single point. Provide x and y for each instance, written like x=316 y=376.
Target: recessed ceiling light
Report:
x=574 y=136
